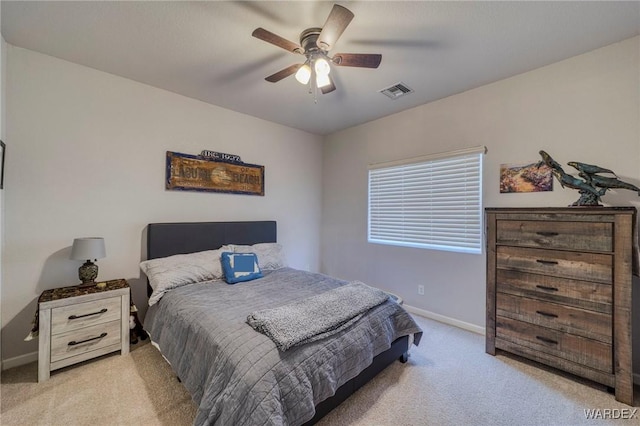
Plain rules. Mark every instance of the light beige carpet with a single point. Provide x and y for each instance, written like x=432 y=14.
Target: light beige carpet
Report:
x=449 y=380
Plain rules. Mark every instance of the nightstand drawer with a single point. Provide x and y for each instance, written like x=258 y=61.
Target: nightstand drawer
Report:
x=565 y=264
x=587 y=352
x=582 y=236
x=581 y=322
x=74 y=317
x=84 y=340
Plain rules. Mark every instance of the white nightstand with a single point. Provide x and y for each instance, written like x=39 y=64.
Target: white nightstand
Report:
x=76 y=324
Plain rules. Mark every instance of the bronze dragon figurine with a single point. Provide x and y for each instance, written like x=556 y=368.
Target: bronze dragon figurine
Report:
x=592 y=186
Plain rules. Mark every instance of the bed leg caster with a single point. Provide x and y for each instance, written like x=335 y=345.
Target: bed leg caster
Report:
x=404 y=357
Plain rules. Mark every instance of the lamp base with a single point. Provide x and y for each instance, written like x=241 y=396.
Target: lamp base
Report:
x=88 y=273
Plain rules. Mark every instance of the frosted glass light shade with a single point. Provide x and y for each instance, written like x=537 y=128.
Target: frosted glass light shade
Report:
x=322 y=80
x=304 y=74
x=322 y=66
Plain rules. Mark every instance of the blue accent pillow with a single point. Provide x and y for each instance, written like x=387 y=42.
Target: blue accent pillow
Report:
x=240 y=267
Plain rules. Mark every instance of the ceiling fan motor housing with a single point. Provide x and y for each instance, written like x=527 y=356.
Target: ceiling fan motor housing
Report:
x=308 y=40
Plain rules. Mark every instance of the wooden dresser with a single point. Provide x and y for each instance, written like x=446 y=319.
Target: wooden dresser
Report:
x=559 y=289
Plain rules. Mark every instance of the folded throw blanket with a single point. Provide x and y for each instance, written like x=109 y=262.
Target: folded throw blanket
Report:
x=318 y=316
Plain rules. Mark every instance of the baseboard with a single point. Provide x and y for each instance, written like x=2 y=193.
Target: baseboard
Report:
x=446 y=320
x=19 y=360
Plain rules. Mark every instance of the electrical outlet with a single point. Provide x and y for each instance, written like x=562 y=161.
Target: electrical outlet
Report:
x=421 y=290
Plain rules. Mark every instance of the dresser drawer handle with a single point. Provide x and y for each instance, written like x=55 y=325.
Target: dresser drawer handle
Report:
x=73 y=342
x=546 y=314
x=544 y=287
x=101 y=311
x=546 y=340
x=547 y=234
x=547 y=262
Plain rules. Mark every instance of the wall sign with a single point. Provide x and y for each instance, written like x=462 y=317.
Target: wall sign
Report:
x=188 y=172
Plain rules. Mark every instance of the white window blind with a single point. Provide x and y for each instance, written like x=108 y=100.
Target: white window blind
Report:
x=430 y=202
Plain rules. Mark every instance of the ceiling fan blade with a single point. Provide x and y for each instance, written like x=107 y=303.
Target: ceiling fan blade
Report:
x=336 y=23
x=328 y=88
x=274 y=39
x=274 y=78
x=363 y=60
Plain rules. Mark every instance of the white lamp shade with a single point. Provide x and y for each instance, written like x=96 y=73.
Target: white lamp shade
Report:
x=88 y=248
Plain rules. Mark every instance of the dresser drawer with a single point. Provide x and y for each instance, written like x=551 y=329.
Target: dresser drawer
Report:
x=580 y=294
x=583 y=236
x=581 y=322
x=76 y=342
x=80 y=315
x=588 y=352
x=564 y=264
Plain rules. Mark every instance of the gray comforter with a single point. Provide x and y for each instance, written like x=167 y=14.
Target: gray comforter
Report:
x=236 y=375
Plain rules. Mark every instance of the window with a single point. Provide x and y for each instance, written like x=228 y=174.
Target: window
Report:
x=432 y=202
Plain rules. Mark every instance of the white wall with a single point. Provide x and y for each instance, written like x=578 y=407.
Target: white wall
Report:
x=585 y=109
x=87 y=158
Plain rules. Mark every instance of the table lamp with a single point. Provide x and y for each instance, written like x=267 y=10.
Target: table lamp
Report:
x=87 y=249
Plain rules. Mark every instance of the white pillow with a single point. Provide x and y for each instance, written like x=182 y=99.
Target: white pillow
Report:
x=270 y=255
x=167 y=273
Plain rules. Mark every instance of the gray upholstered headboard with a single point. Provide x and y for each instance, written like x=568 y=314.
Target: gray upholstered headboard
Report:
x=167 y=239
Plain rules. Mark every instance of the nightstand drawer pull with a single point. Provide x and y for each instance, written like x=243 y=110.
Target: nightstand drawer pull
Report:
x=547 y=234
x=73 y=342
x=546 y=340
x=546 y=314
x=101 y=311
x=547 y=262
x=544 y=287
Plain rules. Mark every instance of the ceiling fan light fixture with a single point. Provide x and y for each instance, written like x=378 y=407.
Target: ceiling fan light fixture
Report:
x=315 y=44
x=322 y=80
x=304 y=74
x=322 y=66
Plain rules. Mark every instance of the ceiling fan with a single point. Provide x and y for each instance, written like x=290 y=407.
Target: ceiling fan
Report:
x=315 y=44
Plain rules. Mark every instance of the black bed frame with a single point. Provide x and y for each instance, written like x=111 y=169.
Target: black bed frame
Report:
x=167 y=239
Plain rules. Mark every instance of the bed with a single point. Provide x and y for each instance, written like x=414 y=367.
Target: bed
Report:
x=237 y=375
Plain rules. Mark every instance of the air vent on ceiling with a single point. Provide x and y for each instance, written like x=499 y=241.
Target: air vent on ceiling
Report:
x=397 y=90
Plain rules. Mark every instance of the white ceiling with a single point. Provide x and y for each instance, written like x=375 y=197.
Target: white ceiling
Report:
x=204 y=50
